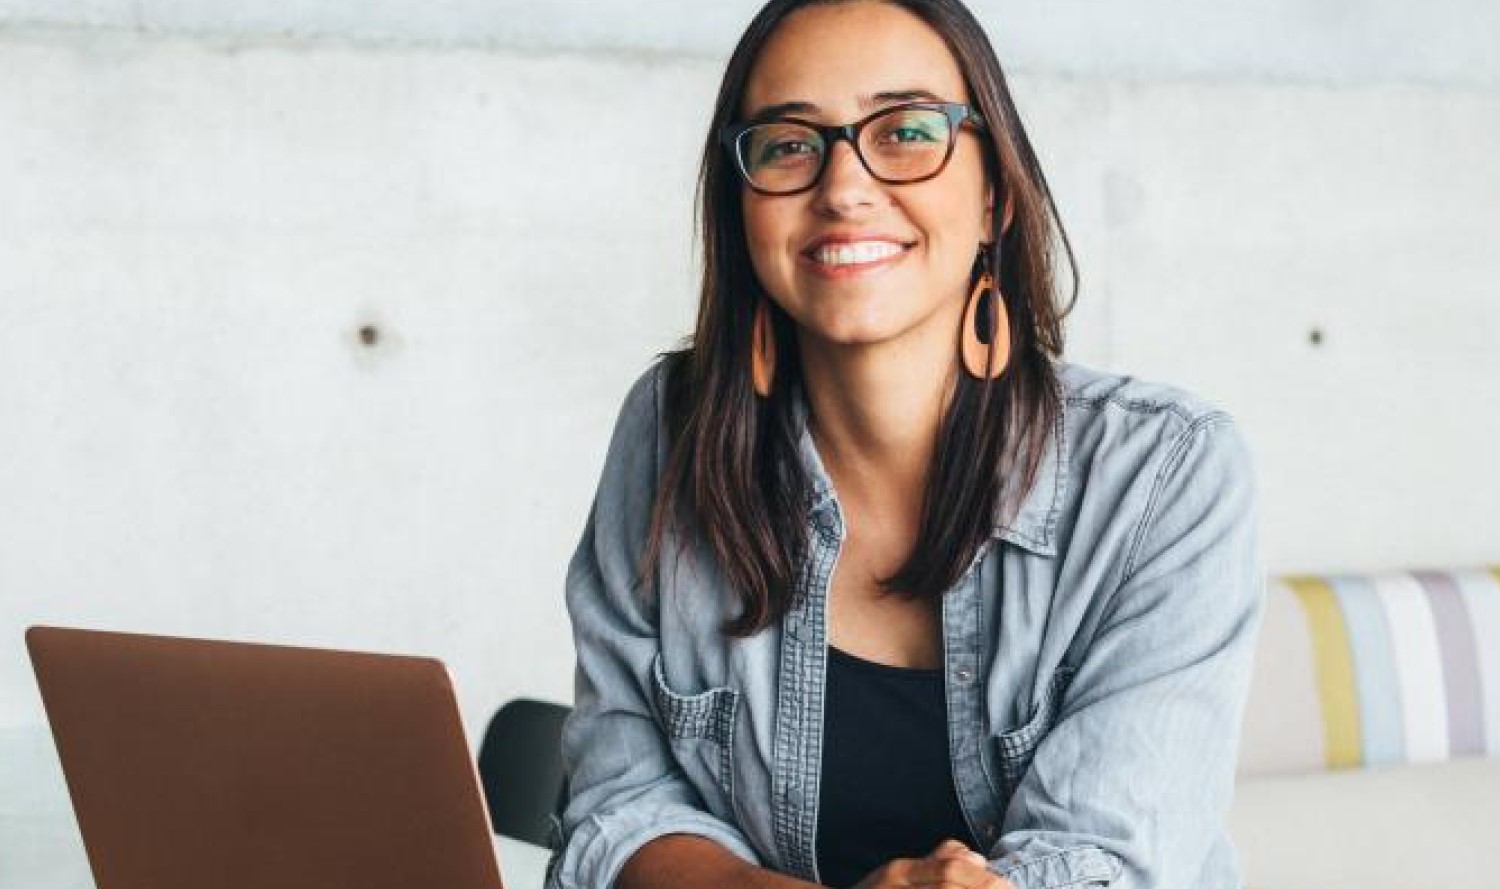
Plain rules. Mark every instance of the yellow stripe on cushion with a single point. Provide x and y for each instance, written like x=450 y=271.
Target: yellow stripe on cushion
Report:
x=1335 y=670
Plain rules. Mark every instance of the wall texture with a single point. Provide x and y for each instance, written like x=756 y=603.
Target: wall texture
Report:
x=200 y=218
x=1448 y=42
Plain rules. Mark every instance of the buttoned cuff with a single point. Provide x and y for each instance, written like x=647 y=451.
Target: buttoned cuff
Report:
x=1078 y=867
x=594 y=855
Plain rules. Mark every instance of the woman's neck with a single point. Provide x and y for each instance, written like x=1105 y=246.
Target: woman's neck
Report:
x=875 y=414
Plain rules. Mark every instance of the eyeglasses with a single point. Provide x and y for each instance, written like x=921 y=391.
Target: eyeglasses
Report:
x=897 y=145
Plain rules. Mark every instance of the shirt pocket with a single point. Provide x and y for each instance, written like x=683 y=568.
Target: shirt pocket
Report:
x=1016 y=747
x=700 y=729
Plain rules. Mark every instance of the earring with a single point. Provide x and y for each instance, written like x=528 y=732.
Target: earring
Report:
x=986 y=332
x=762 y=350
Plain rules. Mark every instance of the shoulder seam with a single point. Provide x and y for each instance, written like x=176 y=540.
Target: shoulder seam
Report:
x=1174 y=458
x=659 y=457
x=1137 y=404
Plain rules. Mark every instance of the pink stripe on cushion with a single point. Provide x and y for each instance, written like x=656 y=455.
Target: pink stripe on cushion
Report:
x=1455 y=639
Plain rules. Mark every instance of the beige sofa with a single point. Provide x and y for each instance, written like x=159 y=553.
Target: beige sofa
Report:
x=1370 y=757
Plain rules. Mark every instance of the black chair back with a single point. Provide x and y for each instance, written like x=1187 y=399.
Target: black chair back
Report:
x=520 y=766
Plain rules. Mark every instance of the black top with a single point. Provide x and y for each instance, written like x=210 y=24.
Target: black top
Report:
x=887 y=786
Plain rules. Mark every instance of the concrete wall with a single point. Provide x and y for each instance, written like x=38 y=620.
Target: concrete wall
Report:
x=199 y=217
x=1355 y=42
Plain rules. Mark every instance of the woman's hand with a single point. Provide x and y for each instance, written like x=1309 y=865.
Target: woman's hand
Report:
x=952 y=865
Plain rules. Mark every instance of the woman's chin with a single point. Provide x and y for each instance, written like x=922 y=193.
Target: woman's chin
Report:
x=852 y=334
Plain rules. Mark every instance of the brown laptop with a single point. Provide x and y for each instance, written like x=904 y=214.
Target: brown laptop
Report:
x=195 y=764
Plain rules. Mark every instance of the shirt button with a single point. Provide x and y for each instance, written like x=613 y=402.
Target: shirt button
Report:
x=963 y=674
x=989 y=832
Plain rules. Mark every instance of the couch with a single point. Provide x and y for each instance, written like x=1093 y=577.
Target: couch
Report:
x=1370 y=756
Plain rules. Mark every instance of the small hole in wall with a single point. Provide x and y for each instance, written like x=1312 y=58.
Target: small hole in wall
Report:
x=1315 y=336
x=369 y=335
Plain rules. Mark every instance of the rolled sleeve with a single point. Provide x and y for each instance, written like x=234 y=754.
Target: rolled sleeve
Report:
x=1130 y=788
x=624 y=786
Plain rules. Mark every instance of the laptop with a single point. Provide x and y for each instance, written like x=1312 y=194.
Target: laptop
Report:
x=194 y=763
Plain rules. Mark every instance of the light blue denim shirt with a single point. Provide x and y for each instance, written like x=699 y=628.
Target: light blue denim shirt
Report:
x=1097 y=657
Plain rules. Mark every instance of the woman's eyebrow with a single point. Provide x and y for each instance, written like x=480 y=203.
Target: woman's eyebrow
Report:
x=884 y=98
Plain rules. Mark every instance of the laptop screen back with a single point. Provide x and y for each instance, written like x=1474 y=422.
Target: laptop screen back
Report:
x=194 y=763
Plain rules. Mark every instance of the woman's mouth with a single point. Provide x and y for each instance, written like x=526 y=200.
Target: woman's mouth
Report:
x=842 y=259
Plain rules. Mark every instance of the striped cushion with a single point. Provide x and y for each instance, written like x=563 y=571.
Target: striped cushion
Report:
x=1372 y=670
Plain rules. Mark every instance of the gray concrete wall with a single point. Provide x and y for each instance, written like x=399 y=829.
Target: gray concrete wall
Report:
x=1448 y=42
x=199 y=217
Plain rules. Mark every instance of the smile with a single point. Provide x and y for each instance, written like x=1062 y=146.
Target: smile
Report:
x=854 y=256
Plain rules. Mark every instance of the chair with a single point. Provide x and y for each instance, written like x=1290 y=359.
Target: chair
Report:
x=520 y=766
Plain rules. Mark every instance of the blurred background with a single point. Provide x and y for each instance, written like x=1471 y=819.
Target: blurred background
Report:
x=315 y=316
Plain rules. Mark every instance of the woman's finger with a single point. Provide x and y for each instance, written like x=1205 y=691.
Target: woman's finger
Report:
x=958 y=869
x=954 y=849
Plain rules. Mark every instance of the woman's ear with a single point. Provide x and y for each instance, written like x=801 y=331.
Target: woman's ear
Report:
x=989 y=214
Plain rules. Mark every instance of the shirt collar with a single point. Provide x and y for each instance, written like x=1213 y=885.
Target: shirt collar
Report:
x=1035 y=523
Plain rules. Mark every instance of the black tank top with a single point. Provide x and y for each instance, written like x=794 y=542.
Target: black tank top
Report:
x=887 y=785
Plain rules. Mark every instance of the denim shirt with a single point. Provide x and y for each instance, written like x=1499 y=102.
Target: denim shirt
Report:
x=1096 y=661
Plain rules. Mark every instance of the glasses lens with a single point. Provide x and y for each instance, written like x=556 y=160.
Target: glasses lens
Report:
x=780 y=156
x=907 y=143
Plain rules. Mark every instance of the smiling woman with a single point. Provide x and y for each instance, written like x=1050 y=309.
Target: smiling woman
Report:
x=877 y=590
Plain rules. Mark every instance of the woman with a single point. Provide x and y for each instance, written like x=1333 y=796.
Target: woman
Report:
x=876 y=590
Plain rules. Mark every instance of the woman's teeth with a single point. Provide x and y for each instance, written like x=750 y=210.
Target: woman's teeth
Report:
x=858 y=252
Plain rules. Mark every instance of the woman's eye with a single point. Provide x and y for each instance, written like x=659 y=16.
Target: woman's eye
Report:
x=783 y=149
x=787 y=152
x=909 y=134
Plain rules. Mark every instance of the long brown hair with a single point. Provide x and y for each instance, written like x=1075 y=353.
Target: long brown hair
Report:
x=733 y=473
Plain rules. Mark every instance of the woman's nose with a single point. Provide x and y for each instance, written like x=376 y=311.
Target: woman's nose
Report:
x=846 y=185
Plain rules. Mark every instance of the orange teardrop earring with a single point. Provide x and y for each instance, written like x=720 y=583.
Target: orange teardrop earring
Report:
x=986 y=332
x=762 y=350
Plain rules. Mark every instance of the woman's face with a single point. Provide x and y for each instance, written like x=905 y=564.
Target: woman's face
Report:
x=839 y=59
